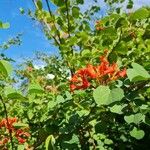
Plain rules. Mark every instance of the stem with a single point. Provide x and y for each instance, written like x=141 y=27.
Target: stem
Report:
x=6 y=113
x=50 y=12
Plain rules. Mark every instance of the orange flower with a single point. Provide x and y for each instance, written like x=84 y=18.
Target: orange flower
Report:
x=21 y=140
x=103 y=66
x=74 y=78
x=82 y=72
x=72 y=87
x=111 y=69
x=85 y=84
x=122 y=73
x=9 y=124
x=81 y=83
x=91 y=71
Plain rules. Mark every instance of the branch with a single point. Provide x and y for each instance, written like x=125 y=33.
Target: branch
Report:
x=6 y=113
x=50 y=12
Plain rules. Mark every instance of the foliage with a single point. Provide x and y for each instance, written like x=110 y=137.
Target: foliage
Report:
x=100 y=114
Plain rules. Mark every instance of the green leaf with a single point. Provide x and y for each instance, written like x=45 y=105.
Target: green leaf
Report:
x=147 y=120
x=21 y=147
x=4 y=25
x=72 y=40
x=110 y=31
x=80 y=1
x=117 y=94
x=138 y=134
x=49 y=143
x=59 y=99
x=83 y=112
x=101 y=95
x=5 y=68
x=138 y=73
x=140 y=69
x=104 y=96
x=58 y=2
x=106 y=41
x=121 y=22
x=21 y=10
x=112 y=57
x=137 y=118
x=35 y=88
x=83 y=36
x=51 y=104
x=121 y=48
x=85 y=53
x=108 y=141
x=74 y=139
x=12 y=93
x=117 y=109
x=30 y=114
x=141 y=13
x=68 y=95
x=75 y=11
x=130 y=4
x=39 y=4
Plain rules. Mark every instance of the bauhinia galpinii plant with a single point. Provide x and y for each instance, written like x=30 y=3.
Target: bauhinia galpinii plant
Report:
x=95 y=95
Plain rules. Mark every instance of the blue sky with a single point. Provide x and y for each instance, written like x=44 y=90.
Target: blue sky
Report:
x=33 y=38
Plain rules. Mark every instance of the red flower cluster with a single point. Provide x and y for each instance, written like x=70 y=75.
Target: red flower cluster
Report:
x=103 y=73
x=20 y=134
